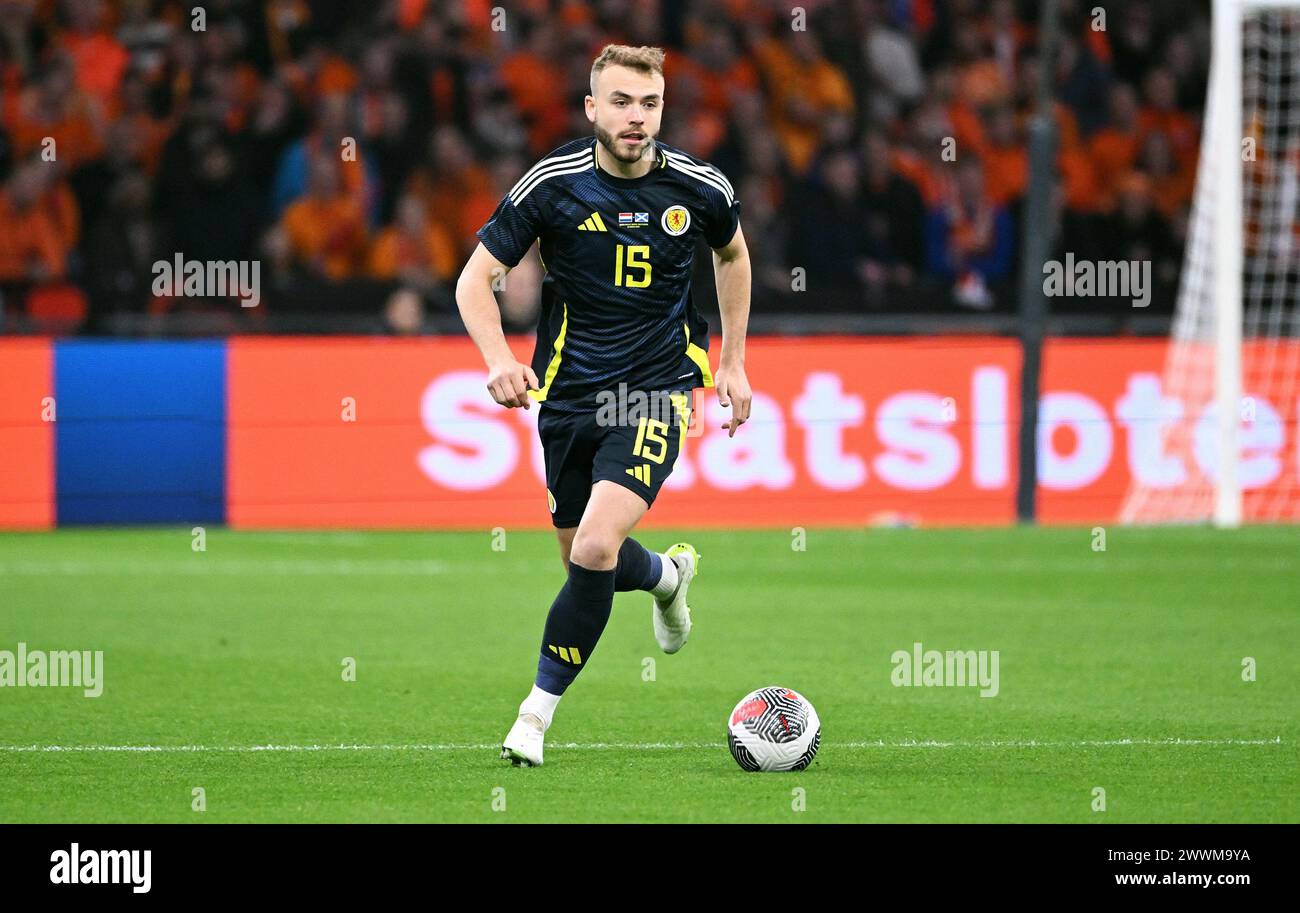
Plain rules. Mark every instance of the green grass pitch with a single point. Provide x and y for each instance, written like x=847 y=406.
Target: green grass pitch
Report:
x=208 y=655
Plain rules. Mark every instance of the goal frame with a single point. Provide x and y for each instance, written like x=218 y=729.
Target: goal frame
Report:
x=1225 y=154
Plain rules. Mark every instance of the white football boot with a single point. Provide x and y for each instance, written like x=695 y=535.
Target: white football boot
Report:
x=672 y=616
x=523 y=744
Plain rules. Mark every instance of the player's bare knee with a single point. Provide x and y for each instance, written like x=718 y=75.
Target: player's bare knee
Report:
x=596 y=551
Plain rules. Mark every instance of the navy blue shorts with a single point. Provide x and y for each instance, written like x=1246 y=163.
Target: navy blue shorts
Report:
x=583 y=448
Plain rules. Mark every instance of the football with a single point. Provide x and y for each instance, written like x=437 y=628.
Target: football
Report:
x=773 y=728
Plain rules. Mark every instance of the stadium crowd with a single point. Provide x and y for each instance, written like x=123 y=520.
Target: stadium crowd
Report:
x=353 y=148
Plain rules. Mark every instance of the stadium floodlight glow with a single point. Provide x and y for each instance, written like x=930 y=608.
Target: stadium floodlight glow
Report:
x=1232 y=370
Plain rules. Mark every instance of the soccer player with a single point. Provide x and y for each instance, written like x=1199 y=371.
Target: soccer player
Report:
x=618 y=217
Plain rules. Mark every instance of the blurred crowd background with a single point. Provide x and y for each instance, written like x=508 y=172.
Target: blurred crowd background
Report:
x=353 y=149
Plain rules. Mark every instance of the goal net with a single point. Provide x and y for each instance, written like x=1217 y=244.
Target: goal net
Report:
x=1230 y=389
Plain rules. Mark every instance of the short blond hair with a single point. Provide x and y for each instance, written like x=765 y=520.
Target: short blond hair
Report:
x=644 y=59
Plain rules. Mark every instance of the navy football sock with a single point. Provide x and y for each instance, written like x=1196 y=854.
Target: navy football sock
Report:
x=577 y=618
x=638 y=568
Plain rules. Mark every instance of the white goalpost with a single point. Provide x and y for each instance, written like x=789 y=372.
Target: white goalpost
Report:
x=1229 y=390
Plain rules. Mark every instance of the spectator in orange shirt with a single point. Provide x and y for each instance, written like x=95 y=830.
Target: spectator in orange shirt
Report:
x=981 y=80
x=97 y=56
x=1006 y=162
x=31 y=247
x=1171 y=184
x=1161 y=114
x=53 y=108
x=414 y=249
x=324 y=232
x=453 y=187
x=964 y=124
x=1114 y=148
x=805 y=89
x=1073 y=160
x=723 y=72
x=704 y=123
x=532 y=74
x=924 y=160
x=334 y=125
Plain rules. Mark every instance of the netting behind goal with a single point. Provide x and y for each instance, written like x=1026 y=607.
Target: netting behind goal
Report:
x=1179 y=483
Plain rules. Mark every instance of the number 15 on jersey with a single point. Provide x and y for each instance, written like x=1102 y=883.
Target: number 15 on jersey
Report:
x=636 y=259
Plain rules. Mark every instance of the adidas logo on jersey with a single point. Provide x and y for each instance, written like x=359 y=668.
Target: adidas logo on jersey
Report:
x=595 y=223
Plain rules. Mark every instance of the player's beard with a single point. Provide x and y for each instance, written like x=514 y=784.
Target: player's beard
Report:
x=627 y=156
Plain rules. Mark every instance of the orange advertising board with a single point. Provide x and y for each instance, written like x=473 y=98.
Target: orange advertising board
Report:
x=1111 y=422
x=402 y=433
x=378 y=432
x=27 y=422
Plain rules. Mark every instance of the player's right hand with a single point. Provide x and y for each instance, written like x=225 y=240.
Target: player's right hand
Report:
x=509 y=383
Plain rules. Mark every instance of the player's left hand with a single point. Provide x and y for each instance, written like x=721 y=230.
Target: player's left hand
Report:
x=733 y=390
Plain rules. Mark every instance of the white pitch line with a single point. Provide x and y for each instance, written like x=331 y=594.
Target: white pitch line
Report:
x=634 y=746
x=276 y=567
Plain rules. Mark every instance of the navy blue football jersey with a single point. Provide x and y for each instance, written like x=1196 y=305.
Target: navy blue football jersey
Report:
x=618 y=252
